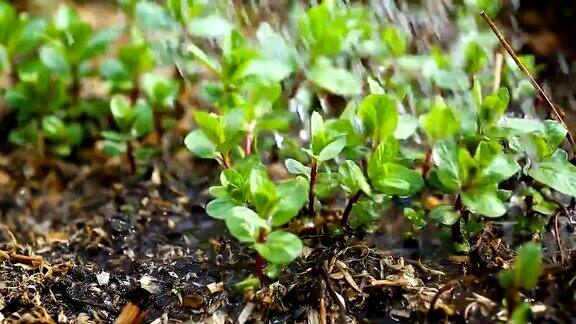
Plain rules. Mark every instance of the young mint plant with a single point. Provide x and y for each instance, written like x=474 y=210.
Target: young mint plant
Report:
x=255 y=208
x=523 y=275
x=217 y=136
x=20 y=37
x=71 y=46
x=161 y=94
x=133 y=123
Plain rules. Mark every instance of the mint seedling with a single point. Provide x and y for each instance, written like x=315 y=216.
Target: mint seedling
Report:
x=133 y=122
x=271 y=207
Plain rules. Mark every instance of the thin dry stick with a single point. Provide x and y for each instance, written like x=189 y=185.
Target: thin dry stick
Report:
x=522 y=67
x=499 y=58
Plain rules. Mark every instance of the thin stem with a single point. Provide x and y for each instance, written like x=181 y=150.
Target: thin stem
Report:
x=348 y=209
x=130 y=157
x=522 y=67
x=135 y=91
x=158 y=125
x=426 y=162
x=311 y=197
x=76 y=88
x=456 y=229
x=259 y=262
x=499 y=58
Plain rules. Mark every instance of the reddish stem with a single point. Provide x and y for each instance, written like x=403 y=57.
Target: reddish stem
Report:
x=426 y=162
x=348 y=209
x=135 y=91
x=313 y=175
x=259 y=262
x=130 y=157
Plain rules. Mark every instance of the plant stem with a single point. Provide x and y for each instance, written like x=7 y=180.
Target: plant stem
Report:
x=348 y=209
x=158 y=125
x=130 y=157
x=135 y=91
x=259 y=262
x=456 y=229
x=75 y=89
x=426 y=162
x=311 y=197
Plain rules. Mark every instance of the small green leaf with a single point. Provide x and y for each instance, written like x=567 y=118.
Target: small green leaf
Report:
x=292 y=196
x=440 y=123
x=484 y=201
x=379 y=115
x=527 y=268
x=407 y=126
x=492 y=109
x=445 y=157
x=334 y=79
x=297 y=168
x=521 y=314
x=445 y=215
x=415 y=217
x=332 y=150
x=558 y=175
x=262 y=191
x=54 y=60
x=122 y=112
x=280 y=247
x=219 y=208
x=210 y=125
x=395 y=180
x=197 y=143
x=352 y=178
x=244 y=224
x=143 y=121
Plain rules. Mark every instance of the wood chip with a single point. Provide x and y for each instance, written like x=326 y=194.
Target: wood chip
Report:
x=131 y=314
x=215 y=287
x=389 y=283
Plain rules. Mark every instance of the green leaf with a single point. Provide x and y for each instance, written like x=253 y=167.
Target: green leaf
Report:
x=262 y=191
x=440 y=123
x=394 y=40
x=203 y=58
x=521 y=314
x=352 y=178
x=484 y=201
x=219 y=208
x=492 y=109
x=113 y=148
x=332 y=150
x=292 y=196
x=100 y=41
x=555 y=134
x=379 y=115
x=197 y=143
x=244 y=224
x=297 y=168
x=143 y=121
x=280 y=247
x=558 y=175
x=210 y=125
x=445 y=157
x=334 y=79
x=152 y=16
x=445 y=215
x=213 y=26
x=54 y=60
x=415 y=217
x=527 y=268
x=407 y=126
x=501 y=168
x=385 y=152
x=122 y=112
x=395 y=180
x=54 y=128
